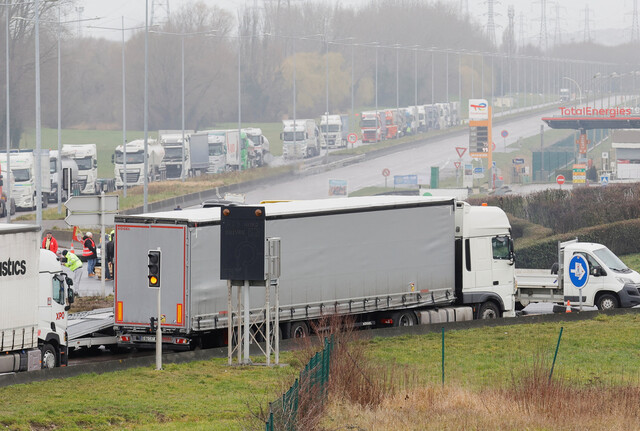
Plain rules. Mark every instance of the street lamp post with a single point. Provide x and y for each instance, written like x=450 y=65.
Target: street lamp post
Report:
x=38 y=161
x=146 y=107
x=8 y=173
x=577 y=85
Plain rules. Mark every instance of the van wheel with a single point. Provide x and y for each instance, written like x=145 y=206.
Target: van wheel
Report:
x=298 y=330
x=607 y=302
x=488 y=310
x=49 y=357
x=404 y=318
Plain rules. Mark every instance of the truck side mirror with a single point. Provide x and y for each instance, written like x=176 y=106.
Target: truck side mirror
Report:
x=597 y=272
x=282 y=136
x=95 y=163
x=71 y=294
x=66 y=179
x=112 y=159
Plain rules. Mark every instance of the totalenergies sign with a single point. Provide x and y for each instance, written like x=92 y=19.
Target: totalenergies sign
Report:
x=478 y=109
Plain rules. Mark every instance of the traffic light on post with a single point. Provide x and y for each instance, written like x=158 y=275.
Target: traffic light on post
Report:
x=154 y=268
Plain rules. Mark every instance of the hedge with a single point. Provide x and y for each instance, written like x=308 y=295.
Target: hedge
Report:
x=620 y=237
x=565 y=211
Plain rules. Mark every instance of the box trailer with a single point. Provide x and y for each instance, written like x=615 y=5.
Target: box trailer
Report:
x=34 y=299
x=379 y=259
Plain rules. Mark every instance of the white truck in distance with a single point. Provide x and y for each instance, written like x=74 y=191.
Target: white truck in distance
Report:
x=334 y=129
x=86 y=157
x=303 y=142
x=34 y=298
x=259 y=147
x=56 y=177
x=23 y=177
x=608 y=282
x=135 y=163
x=381 y=263
x=171 y=141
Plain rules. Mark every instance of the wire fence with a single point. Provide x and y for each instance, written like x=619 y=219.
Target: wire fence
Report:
x=311 y=386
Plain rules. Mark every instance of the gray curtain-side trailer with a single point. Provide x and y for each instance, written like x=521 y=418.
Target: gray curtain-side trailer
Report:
x=370 y=257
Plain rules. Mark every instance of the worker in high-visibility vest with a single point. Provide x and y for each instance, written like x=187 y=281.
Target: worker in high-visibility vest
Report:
x=74 y=264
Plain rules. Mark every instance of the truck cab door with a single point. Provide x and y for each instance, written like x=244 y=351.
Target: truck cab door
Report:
x=502 y=261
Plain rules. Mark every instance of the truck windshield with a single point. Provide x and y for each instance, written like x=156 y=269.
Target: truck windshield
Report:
x=85 y=163
x=216 y=149
x=255 y=139
x=173 y=153
x=20 y=175
x=288 y=136
x=611 y=260
x=332 y=128
x=369 y=123
x=53 y=168
x=131 y=158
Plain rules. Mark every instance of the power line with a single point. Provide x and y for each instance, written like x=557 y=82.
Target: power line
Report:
x=491 y=25
x=543 y=37
x=635 y=27
x=587 y=25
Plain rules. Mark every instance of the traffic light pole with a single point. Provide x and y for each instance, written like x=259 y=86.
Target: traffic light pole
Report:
x=159 y=331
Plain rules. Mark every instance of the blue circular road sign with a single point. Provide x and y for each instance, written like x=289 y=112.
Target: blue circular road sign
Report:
x=504 y=133
x=578 y=271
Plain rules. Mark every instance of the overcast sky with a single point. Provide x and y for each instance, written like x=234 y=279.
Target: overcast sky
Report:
x=609 y=14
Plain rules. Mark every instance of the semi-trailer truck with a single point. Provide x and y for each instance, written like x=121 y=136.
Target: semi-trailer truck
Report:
x=34 y=298
x=135 y=172
x=384 y=260
x=23 y=177
x=171 y=141
x=302 y=141
x=334 y=129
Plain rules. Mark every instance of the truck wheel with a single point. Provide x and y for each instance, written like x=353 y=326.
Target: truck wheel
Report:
x=49 y=357
x=404 y=318
x=298 y=330
x=488 y=310
x=607 y=302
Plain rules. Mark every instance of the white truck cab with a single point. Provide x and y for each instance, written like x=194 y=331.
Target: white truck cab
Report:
x=135 y=162
x=484 y=238
x=23 y=177
x=86 y=157
x=606 y=282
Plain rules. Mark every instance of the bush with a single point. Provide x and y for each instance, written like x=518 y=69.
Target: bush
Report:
x=621 y=237
x=564 y=211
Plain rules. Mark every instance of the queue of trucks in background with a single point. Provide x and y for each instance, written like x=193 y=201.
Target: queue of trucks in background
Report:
x=395 y=123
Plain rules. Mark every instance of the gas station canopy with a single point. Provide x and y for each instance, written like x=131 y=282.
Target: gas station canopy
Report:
x=587 y=123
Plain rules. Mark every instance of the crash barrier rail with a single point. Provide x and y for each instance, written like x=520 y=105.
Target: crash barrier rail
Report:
x=312 y=384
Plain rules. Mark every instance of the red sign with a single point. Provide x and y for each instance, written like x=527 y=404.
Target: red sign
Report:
x=493 y=146
x=583 y=143
x=560 y=179
x=386 y=172
x=456 y=164
x=461 y=151
x=352 y=138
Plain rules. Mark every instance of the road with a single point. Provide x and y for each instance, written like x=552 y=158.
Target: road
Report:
x=438 y=152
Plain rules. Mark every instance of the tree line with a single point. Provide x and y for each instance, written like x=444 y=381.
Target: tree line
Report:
x=395 y=34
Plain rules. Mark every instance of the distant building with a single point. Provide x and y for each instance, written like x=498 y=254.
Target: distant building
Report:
x=626 y=144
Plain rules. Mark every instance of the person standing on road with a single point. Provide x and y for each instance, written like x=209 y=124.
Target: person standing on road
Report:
x=50 y=243
x=89 y=253
x=74 y=264
x=110 y=256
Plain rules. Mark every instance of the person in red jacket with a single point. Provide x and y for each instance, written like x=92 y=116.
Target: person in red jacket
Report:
x=50 y=243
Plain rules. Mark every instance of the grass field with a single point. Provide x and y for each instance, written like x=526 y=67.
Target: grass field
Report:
x=602 y=352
